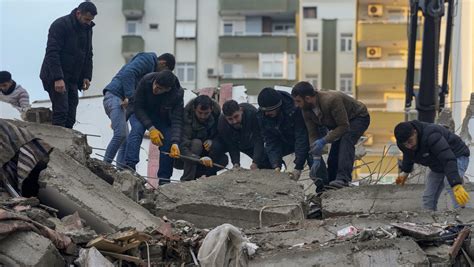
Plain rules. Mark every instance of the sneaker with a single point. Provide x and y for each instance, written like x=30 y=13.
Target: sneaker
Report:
x=338 y=184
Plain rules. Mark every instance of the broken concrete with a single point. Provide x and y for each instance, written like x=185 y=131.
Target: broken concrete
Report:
x=68 y=141
x=388 y=252
x=380 y=199
x=29 y=249
x=69 y=187
x=38 y=115
x=234 y=197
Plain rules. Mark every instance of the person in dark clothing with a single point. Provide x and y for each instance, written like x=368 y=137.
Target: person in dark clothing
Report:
x=346 y=118
x=238 y=129
x=283 y=129
x=200 y=139
x=134 y=140
x=159 y=107
x=442 y=151
x=67 y=64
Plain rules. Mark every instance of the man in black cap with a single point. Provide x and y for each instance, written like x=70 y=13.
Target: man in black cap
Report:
x=13 y=93
x=283 y=129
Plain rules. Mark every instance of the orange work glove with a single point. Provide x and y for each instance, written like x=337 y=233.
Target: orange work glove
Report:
x=156 y=137
x=460 y=194
x=402 y=178
x=207 y=145
x=206 y=161
x=174 y=151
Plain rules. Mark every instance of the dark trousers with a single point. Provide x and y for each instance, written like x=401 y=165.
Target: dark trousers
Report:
x=64 y=104
x=342 y=153
x=264 y=164
x=193 y=170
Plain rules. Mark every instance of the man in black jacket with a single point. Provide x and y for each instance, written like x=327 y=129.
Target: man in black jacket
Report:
x=239 y=130
x=443 y=152
x=67 y=64
x=159 y=107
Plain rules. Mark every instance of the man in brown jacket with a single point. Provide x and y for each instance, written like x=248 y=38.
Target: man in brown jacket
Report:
x=346 y=118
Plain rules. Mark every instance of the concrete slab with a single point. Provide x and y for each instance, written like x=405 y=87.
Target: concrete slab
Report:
x=69 y=186
x=234 y=197
x=388 y=252
x=29 y=249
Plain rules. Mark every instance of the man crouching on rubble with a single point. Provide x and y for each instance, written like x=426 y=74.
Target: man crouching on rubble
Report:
x=443 y=152
x=159 y=107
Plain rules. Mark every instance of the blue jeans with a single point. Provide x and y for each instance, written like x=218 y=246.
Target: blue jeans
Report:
x=116 y=113
x=134 y=142
x=435 y=183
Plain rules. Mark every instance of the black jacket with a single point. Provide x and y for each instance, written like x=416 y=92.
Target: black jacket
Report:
x=245 y=139
x=68 y=51
x=286 y=130
x=437 y=148
x=167 y=107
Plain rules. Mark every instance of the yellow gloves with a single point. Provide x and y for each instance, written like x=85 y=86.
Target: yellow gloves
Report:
x=402 y=178
x=460 y=194
x=206 y=161
x=207 y=145
x=156 y=137
x=174 y=151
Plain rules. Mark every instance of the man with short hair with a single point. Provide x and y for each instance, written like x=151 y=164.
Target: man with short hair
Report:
x=283 y=129
x=67 y=64
x=13 y=93
x=442 y=151
x=200 y=139
x=346 y=118
x=118 y=99
x=238 y=129
x=159 y=107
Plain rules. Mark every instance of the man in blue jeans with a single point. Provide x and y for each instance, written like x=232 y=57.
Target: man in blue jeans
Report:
x=443 y=152
x=159 y=108
x=118 y=96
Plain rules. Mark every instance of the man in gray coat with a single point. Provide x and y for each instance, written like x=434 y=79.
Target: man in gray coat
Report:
x=13 y=93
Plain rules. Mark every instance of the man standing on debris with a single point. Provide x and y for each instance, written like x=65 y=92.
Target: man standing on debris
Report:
x=442 y=151
x=283 y=129
x=159 y=108
x=200 y=139
x=346 y=118
x=238 y=129
x=67 y=65
x=13 y=93
x=118 y=98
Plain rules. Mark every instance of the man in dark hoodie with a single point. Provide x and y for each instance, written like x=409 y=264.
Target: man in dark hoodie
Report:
x=442 y=151
x=67 y=64
x=159 y=107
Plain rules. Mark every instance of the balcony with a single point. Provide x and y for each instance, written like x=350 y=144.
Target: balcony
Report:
x=377 y=76
x=131 y=45
x=133 y=9
x=257 y=6
x=378 y=32
x=258 y=44
x=254 y=85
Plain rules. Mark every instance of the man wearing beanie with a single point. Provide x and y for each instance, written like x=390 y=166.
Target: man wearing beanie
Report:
x=159 y=107
x=344 y=117
x=283 y=129
x=442 y=151
x=13 y=93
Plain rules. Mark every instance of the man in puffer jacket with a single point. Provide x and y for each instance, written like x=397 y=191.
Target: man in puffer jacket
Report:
x=443 y=152
x=13 y=93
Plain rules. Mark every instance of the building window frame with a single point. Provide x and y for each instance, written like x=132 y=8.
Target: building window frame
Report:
x=230 y=25
x=186 y=72
x=346 y=81
x=312 y=42
x=272 y=66
x=310 y=12
x=313 y=79
x=346 y=42
x=185 y=30
x=135 y=24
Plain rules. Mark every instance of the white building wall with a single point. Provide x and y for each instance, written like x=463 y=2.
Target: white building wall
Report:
x=207 y=42
x=162 y=40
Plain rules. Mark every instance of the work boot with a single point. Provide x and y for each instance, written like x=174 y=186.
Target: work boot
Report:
x=337 y=184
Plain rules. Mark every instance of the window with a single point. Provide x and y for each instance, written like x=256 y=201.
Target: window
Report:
x=154 y=26
x=312 y=42
x=271 y=65
x=310 y=12
x=132 y=27
x=185 y=29
x=346 y=42
x=228 y=28
x=283 y=28
x=313 y=79
x=345 y=83
x=185 y=72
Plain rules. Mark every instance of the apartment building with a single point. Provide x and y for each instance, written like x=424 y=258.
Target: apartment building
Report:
x=187 y=28
x=326 y=43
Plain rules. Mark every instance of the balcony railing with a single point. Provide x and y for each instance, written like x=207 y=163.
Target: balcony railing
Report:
x=133 y=9
x=131 y=45
x=258 y=44
x=263 y=6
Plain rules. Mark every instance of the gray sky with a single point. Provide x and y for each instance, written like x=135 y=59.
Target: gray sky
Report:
x=24 y=28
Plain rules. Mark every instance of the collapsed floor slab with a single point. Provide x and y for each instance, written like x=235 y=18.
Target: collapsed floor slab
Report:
x=69 y=186
x=380 y=199
x=29 y=249
x=234 y=197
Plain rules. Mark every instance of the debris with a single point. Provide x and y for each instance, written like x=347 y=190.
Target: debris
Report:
x=459 y=241
x=91 y=257
x=347 y=232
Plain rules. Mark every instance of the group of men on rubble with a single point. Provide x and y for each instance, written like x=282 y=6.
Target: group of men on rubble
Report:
x=147 y=94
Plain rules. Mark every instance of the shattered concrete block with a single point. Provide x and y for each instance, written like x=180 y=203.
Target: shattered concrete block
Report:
x=380 y=199
x=69 y=187
x=69 y=141
x=38 y=115
x=445 y=118
x=29 y=249
x=386 y=252
x=234 y=197
x=465 y=133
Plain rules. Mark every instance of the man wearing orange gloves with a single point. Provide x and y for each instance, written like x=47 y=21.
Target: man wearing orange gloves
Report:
x=439 y=149
x=159 y=107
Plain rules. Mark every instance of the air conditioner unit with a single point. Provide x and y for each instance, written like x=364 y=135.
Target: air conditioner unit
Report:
x=374 y=52
x=375 y=10
x=211 y=73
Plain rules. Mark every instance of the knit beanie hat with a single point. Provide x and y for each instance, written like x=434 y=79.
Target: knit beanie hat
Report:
x=5 y=76
x=403 y=131
x=269 y=99
x=165 y=78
